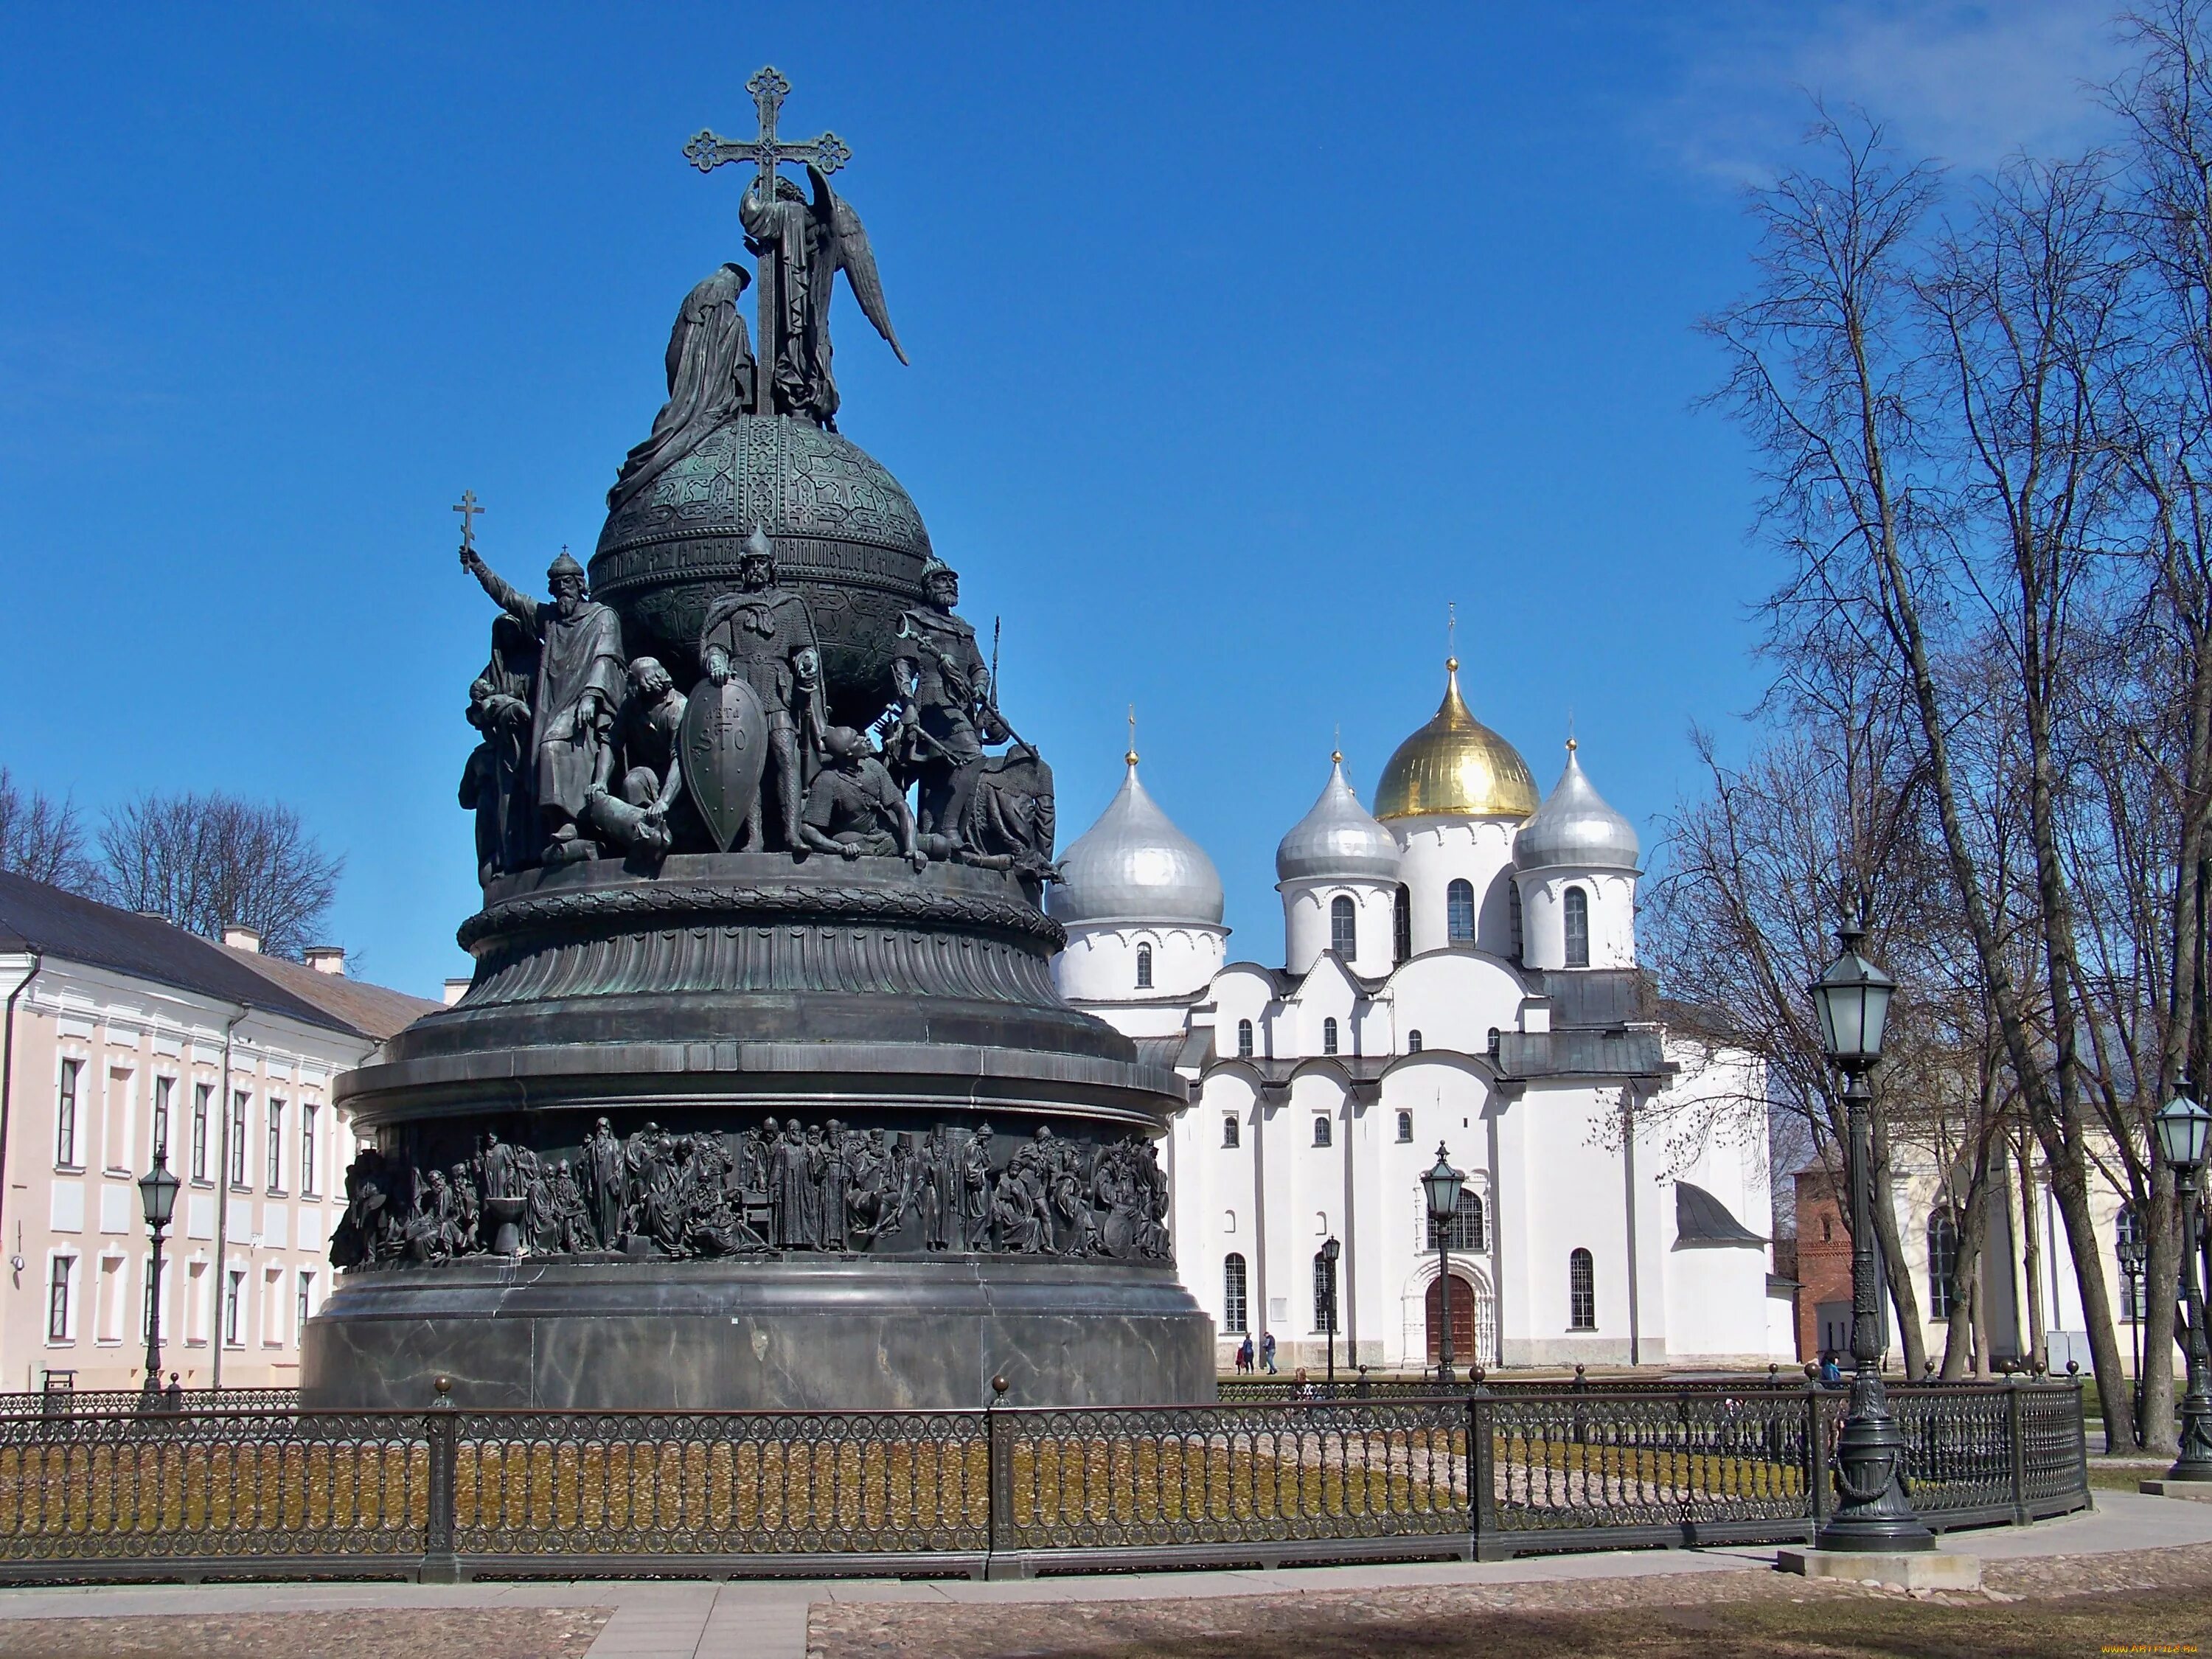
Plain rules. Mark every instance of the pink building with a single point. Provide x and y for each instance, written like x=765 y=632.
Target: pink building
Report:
x=123 y=1033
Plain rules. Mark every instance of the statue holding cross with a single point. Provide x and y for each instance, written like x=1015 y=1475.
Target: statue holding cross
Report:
x=801 y=244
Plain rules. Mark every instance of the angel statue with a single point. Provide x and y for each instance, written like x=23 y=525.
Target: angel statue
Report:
x=801 y=246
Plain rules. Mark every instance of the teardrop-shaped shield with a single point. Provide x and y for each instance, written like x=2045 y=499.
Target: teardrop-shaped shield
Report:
x=725 y=743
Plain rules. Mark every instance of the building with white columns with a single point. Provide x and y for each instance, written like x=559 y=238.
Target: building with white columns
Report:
x=1457 y=968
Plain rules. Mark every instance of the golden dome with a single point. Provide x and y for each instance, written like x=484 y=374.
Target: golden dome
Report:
x=1455 y=764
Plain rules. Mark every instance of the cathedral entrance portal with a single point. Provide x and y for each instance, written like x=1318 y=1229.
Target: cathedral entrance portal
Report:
x=1474 y=1323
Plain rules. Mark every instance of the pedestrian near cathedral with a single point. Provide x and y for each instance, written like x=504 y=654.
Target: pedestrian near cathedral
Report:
x=1244 y=1353
x=1268 y=1353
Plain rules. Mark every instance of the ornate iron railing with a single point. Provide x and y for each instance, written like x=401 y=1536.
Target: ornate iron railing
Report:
x=103 y=1402
x=125 y=1493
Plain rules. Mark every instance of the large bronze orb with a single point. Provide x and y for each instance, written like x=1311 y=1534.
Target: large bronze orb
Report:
x=846 y=534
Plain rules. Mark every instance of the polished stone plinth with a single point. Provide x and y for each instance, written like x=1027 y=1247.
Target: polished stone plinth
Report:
x=795 y=1333
x=1912 y=1569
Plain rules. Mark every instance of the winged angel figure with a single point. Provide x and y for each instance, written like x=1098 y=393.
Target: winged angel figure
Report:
x=802 y=245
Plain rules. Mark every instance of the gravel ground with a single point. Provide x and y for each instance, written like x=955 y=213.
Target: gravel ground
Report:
x=2149 y=1601
x=363 y=1633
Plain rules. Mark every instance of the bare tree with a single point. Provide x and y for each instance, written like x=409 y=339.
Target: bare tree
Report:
x=209 y=862
x=42 y=838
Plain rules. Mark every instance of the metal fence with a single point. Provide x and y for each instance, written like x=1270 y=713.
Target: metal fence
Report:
x=106 y=1402
x=245 y=1493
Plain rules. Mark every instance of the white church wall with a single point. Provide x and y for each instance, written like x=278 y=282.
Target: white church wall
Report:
x=1563 y=1191
x=1440 y=850
x=1100 y=963
x=1716 y=1307
x=1453 y=998
x=1308 y=928
x=1611 y=897
x=1326 y=993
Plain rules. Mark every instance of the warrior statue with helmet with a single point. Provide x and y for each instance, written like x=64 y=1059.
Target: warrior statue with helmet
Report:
x=947 y=708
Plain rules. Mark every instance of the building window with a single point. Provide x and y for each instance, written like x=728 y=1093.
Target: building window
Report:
x=1577 y=910
x=275 y=1145
x=1321 y=1129
x=238 y=1102
x=202 y=1094
x=1405 y=1126
x=1232 y=1293
x=60 y=1271
x=1513 y=917
x=1464 y=1231
x=1490 y=1043
x=1329 y=1035
x=164 y=1088
x=1413 y=1043
x=307 y=1148
x=1144 y=967
x=1581 y=1291
x=2127 y=1232
x=1827 y=1229
x=1231 y=1129
x=1321 y=1298
x=233 y=1293
x=1942 y=1262
x=306 y=1306
x=65 y=1116
x=1343 y=927
x=1402 y=925
x=1459 y=915
x=1244 y=1039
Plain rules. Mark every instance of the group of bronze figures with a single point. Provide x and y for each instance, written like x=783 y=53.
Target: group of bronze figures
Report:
x=776 y=1186
x=585 y=753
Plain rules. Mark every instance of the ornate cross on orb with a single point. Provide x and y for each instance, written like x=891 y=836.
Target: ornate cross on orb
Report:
x=708 y=149
x=467 y=507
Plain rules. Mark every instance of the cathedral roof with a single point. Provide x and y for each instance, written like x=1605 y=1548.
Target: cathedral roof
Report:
x=1133 y=865
x=1455 y=765
x=1575 y=827
x=1338 y=837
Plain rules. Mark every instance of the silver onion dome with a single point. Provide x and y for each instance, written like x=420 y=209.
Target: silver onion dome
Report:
x=1338 y=837
x=1134 y=865
x=1575 y=827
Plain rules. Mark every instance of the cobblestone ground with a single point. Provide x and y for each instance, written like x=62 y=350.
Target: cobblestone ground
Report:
x=364 y=1633
x=2149 y=1601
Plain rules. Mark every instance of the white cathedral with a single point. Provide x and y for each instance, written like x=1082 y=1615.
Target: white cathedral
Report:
x=1459 y=968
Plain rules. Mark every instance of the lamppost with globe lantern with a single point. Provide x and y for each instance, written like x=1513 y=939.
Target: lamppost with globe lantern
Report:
x=2183 y=1128
x=1872 y=1511
x=2131 y=1252
x=1443 y=1185
x=157 y=1191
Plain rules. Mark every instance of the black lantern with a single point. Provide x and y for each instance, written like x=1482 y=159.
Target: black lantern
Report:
x=1332 y=1251
x=1443 y=1186
x=1853 y=1000
x=2183 y=1128
x=157 y=1191
x=1872 y=1511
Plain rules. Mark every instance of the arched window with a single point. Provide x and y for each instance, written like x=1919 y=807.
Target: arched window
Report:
x=1581 y=1291
x=1490 y=1043
x=1231 y=1129
x=1232 y=1292
x=1144 y=967
x=1402 y=925
x=1459 y=915
x=1322 y=1321
x=1244 y=1039
x=1464 y=1231
x=1414 y=1042
x=1343 y=927
x=1578 y=924
x=1827 y=1229
x=1942 y=1261
x=2128 y=1233
x=1321 y=1129
x=1329 y=1035
x=1513 y=916
x=1405 y=1126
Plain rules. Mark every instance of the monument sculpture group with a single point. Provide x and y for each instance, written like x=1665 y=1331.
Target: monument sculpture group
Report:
x=760 y=1094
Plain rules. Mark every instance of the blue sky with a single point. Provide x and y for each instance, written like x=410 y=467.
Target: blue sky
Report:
x=1244 y=339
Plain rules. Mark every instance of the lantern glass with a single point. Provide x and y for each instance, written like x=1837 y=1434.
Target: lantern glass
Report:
x=157 y=1191
x=2182 y=1128
x=1853 y=1000
x=1444 y=1184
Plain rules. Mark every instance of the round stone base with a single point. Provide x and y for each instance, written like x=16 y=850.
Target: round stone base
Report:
x=782 y=1333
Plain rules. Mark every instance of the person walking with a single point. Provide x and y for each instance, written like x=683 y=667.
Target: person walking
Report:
x=1268 y=1353
x=1244 y=1353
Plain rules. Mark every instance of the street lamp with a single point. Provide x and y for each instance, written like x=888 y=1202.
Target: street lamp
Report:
x=157 y=1191
x=2131 y=1251
x=1872 y=1511
x=2182 y=1128
x=1443 y=1185
x=1331 y=1250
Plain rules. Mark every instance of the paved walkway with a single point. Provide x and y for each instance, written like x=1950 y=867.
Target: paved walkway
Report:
x=767 y=1620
